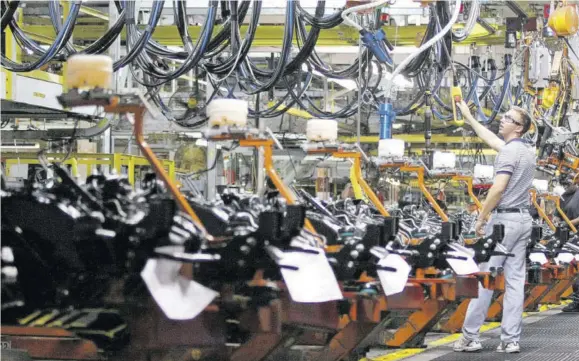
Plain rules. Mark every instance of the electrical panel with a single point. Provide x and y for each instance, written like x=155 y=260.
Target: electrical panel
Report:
x=539 y=67
x=573 y=120
x=556 y=66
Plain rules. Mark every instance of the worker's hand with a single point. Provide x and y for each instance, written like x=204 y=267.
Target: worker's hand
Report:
x=461 y=105
x=480 y=227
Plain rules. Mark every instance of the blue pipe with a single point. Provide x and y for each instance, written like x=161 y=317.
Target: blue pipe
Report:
x=387 y=118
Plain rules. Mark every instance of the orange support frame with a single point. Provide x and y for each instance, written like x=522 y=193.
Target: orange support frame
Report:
x=566 y=277
x=542 y=213
x=420 y=173
x=267 y=146
x=139 y=111
x=495 y=283
x=444 y=294
x=356 y=156
x=468 y=181
x=565 y=280
x=557 y=200
x=563 y=165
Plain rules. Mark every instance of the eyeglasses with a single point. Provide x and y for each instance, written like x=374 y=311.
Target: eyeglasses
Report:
x=510 y=119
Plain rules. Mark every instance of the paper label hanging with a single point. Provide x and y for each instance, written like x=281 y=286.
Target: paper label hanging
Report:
x=395 y=275
x=309 y=277
x=179 y=298
x=564 y=258
x=463 y=264
x=539 y=258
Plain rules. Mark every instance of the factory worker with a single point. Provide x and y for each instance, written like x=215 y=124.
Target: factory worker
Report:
x=507 y=203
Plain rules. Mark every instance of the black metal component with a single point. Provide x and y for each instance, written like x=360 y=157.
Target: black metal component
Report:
x=389 y=229
x=449 y=231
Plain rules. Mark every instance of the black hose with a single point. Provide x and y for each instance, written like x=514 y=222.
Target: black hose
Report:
x=195 y=56
x=443 y=18
x=319 y=21
x=61 y=39
x=8 y=12
x=54 y=12
x=257 y=86
x=417 y=64
x=235 y=59
x=180 y=14
x=133 y=52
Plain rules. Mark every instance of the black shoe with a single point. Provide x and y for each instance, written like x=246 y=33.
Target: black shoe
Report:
x=572 y=307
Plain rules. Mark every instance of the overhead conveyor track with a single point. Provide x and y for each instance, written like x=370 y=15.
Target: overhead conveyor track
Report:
x=263 y=264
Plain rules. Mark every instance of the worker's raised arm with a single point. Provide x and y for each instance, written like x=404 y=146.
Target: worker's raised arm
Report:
x=483 y=133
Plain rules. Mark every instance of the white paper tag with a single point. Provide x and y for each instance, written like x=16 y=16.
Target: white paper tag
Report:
x=393 y=281
x=538 y=257
x=564 y=258
x=462 y=266
x=459 y=248
x=178 y=297
x=577 y=257
x=313 y=281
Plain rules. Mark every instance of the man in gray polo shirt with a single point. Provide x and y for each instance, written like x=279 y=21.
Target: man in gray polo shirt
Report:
x=508 y=201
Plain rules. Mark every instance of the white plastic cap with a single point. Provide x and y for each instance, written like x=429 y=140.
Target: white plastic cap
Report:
x=482 y=171
x=89 y=71
x=389 y=148
x=322 y=130
x=227 y=112
x=444 y=160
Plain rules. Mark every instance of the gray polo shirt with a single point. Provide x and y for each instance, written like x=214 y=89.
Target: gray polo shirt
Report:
x=518 y=160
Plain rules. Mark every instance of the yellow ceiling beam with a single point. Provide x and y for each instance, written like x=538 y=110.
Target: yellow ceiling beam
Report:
x=43 y=75
x=267 y=35
x=42 y=39
x=415 y=138
x=93 y=12
x=463 y=152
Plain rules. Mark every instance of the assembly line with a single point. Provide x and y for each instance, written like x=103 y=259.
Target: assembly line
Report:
x=294 y=180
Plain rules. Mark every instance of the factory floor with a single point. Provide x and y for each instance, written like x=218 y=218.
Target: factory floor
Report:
x=549 y=335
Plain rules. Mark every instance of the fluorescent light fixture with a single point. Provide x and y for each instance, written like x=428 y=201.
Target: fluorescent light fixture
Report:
x=223 y=89
x=21 y=146
x=201 y=142
x=345 y=83
x=401 y=82
x=197 y=135
x=320 y=158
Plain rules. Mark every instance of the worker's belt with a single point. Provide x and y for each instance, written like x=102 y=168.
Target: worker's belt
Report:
x=512 y=210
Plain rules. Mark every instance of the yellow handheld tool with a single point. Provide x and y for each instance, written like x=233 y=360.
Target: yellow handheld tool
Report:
x=456 y=95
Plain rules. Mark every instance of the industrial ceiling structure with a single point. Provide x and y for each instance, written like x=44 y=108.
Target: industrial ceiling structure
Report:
x=288 y=180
